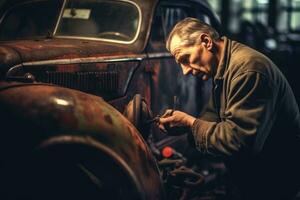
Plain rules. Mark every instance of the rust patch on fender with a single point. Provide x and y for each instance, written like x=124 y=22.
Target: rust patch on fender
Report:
x=108 y=119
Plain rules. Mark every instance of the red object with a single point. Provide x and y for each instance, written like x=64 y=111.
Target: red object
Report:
x=167 y=152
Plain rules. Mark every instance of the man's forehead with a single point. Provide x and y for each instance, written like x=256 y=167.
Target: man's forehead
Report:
x=175 y=44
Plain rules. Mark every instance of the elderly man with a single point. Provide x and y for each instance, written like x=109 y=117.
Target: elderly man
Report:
x=252 y=119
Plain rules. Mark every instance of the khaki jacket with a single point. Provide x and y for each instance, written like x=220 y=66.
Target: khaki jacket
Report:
x=250 y=96
x=252 y=120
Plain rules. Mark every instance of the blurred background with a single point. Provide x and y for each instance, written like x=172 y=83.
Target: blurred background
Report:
x=272 y=27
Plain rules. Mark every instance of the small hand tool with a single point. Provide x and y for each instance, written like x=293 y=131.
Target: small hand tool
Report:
x=155 y=119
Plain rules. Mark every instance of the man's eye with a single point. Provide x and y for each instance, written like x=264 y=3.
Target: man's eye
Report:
x=184 y=60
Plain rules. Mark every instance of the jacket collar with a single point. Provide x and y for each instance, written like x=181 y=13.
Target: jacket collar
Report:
x=224 y=61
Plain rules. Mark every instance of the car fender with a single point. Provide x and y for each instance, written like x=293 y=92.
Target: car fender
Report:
x=34 y=115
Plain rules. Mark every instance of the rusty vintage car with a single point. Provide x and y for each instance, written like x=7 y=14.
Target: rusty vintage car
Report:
x=79 y=82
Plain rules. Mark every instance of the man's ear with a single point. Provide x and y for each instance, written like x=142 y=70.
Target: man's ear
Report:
x=206 y=41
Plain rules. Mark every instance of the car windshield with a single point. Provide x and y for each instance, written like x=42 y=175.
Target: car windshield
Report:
x=115 y=21
x=106 y=20
x=30 y=20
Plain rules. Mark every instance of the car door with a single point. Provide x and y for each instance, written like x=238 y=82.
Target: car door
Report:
x=167 y=78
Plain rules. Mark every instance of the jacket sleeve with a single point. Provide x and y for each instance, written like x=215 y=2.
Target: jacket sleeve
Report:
x=248 y=117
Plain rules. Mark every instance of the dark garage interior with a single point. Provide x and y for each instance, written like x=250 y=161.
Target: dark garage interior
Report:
x=85 y=85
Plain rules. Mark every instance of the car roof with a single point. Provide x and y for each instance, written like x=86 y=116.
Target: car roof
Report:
x=147 y=8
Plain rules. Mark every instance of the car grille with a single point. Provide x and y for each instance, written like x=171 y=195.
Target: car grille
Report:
x=84 y=81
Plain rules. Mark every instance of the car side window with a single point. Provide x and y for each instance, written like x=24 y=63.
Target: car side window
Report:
x=165 y=17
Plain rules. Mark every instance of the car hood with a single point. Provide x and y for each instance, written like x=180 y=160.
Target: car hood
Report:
x=49 y=49
x=18 y=52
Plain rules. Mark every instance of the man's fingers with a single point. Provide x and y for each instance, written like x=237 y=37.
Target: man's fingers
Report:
x=169 y=118
x=166 y=120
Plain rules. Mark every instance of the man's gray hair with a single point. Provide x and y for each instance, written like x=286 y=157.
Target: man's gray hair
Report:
x=189 y=31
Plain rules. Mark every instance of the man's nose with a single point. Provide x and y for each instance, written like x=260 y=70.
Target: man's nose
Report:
x=185 y=69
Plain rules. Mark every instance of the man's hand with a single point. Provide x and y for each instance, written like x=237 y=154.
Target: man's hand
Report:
x=175 y=118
